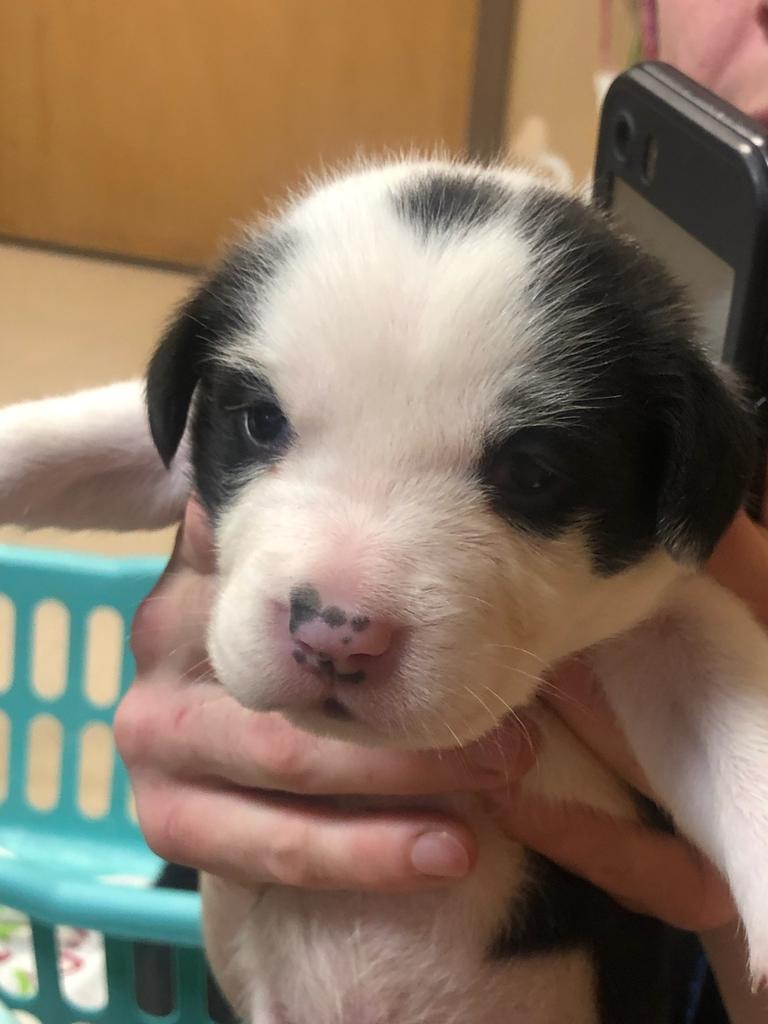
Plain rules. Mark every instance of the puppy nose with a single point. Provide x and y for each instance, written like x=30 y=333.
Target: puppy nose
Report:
x=335 y=633
x=359 y=635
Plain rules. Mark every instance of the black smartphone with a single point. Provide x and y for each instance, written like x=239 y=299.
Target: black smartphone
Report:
x=686 y=174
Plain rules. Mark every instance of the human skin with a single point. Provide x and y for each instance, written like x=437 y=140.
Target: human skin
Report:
x=206 y=771
x=238 y=794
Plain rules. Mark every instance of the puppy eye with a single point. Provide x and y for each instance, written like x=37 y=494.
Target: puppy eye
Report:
x=263 y=423
x=524 y=473
x=520 y=474
x=529 y=472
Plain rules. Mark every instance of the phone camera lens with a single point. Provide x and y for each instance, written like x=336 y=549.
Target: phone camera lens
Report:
x=622 y=136
x=650 y=160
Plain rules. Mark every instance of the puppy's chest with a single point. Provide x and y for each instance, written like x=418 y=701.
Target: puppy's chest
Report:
x=361 y=958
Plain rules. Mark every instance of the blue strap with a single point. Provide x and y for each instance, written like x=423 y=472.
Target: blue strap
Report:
x=696 y=989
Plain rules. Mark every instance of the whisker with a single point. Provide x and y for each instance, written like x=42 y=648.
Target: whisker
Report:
x=520 y=650
x=508 y=707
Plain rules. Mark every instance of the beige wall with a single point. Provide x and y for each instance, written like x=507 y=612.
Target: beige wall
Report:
x=555 y=55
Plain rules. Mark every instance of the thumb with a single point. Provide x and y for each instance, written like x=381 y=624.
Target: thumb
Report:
x=195 y=547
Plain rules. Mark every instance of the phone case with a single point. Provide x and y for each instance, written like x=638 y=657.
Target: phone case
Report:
x=710 y=176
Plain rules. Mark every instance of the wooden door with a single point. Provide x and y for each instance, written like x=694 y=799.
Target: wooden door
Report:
x=149 y=127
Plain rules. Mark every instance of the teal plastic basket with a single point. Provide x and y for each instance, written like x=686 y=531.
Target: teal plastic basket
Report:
x=62 y=864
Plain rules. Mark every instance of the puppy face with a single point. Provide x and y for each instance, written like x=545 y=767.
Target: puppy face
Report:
x=450 y=429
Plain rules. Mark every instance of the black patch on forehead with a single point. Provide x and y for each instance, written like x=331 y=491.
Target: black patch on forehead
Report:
x=229 y=298
x=442 y=201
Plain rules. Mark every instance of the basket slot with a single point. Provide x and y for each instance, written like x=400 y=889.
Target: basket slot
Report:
x=105 y=646
x=95 y=770
x=45 y=737
x=50 y=646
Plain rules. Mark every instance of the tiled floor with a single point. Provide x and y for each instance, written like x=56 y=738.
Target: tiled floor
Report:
x=69 y=322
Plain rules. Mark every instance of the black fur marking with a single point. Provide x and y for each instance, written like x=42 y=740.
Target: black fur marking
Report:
x=334 y=617
x=305 y=606
x=631 y=953
x=360 y=623
x=444 y=202
x=351 y=677
x=652 y=446
x=224 y=455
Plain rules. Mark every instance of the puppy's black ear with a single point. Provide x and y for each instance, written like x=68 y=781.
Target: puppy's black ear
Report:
x=223 y=303
x=710 y=442
x=173 y=374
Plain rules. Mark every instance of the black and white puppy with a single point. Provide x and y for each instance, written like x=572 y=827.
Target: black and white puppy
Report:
x=451 y=428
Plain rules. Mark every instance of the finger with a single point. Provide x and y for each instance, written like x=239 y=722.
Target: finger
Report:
x=253 y=840
x=578 y=698
x=648 y=871
x=195 y=541
x=740 y=563
x=170 y=627
x=170 y=624
x=200 y=732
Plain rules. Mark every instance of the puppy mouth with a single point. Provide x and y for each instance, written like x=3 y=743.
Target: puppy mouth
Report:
x=324 y=668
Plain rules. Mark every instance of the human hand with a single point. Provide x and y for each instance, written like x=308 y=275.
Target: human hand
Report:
x=237 y=793
x=646 y=870
x=196 y=757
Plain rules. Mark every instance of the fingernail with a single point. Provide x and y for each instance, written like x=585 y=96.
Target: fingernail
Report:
x=440 y=855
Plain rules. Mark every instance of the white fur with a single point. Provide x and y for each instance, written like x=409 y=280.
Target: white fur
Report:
x=392 y=388
x=87 y=461
x=372 y=959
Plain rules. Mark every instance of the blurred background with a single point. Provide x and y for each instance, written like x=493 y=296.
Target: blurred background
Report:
x=135 y=137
